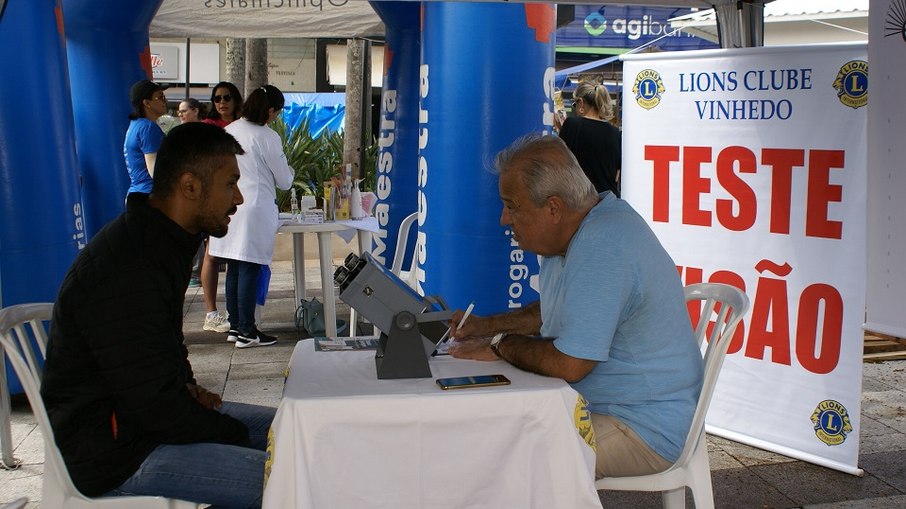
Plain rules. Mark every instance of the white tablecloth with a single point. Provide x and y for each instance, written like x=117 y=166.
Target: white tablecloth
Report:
x=342 y=439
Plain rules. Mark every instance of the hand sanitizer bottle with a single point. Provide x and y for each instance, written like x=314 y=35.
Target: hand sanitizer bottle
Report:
x=355 y=201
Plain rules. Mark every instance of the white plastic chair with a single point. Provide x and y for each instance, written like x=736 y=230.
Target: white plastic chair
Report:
x=17 y=325
x=19 y=503
x=692 y=468
x=399 y=254
x=39 y=334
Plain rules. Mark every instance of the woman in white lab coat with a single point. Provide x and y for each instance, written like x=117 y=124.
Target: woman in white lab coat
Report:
x=249 y=244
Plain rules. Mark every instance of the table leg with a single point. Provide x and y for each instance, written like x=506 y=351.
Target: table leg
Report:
x=364 y=238
x=299 y=266
x=325 y=253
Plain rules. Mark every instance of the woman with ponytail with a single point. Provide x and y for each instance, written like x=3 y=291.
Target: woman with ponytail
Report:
x=249 y=244
x=595 y=142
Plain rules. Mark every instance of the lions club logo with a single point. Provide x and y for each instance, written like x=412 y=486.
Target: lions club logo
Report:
x=831 y=422
x=582 y=418
x=269 y=459
x=648 y=88
x=852 y=83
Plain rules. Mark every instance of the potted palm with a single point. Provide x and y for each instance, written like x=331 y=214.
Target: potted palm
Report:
x=308 y=157
x=317 y=160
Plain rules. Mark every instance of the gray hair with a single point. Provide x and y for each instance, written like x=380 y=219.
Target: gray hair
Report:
x=548 y=169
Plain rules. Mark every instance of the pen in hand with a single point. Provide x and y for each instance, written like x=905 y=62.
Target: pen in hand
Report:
x=465 y=315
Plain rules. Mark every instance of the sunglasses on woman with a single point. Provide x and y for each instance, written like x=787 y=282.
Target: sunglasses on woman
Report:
x=225 y=98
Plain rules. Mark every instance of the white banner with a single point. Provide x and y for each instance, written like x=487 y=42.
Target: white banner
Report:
x=266 y=18
x=886 y=311
x=750 y=167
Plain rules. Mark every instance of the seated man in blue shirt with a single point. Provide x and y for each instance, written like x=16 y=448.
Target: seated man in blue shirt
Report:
x=611 y=318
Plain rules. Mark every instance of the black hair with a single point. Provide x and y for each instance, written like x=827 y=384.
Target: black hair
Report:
x=140 y=92
x=234 y=93
x=260 y=101
x=137 y=113
x=195 y=148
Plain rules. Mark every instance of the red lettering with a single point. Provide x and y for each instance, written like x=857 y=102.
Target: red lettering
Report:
x=745 y=196
x=694 y=185
x=693 y=275
x=826 y=358
x=740 y=212
x=818 y=327
x=821 y=192
x=782 y=162
x=661 y=156
x=770 y=303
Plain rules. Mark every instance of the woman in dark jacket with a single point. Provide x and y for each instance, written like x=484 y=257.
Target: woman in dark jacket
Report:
x=595 y=142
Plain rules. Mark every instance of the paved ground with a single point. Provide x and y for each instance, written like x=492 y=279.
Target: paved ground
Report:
x=743 y=477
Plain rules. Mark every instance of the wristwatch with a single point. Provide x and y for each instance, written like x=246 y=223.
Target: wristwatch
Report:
x=496 y=341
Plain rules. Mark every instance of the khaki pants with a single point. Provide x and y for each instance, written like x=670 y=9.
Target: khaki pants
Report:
x=622 y=452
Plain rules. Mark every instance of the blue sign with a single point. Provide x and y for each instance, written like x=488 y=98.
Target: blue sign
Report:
x=628 y=27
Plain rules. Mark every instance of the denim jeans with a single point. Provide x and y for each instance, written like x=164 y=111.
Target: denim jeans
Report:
x=224 y=476
x=241 y=294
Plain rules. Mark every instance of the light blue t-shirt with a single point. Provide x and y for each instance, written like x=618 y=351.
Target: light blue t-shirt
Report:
x=142 y=137
x=616 y=298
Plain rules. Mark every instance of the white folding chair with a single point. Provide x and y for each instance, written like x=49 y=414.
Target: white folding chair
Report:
x=19 y=503
x=692 y=468
x=39 y=335
x=19 y=326
x=399 y=254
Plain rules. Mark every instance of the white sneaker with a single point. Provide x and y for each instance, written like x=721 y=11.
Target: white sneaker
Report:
x=216 y=321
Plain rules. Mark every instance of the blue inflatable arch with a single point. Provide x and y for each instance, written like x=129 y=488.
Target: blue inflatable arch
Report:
x=62 y=174
x=48 y=207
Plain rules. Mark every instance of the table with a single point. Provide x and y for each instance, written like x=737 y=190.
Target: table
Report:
x=363 y=228
x=342 y=439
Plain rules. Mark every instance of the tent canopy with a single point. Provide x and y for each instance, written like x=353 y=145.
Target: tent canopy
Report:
x=798 y=14
x=306 y=19
x=266 y=19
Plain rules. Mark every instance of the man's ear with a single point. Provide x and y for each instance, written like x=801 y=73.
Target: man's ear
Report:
x=190 y=186
x=554 y=206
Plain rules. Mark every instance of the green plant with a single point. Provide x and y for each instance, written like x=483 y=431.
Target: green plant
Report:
x=369 y=170
x=316 y=160
x=310 y=159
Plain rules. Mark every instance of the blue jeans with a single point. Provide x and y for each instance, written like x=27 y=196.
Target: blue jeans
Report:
x=224 y=476
x=242 y=294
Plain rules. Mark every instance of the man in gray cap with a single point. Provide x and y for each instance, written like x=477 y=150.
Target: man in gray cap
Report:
x=144 y=135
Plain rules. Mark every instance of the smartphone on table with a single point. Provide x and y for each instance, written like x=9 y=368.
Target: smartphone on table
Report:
x=462 y=382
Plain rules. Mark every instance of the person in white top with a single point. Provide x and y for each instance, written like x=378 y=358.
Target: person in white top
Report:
x=249 y=244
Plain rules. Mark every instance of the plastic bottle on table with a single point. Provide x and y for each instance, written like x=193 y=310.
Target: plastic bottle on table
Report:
x=294 y=205
x=355 y=202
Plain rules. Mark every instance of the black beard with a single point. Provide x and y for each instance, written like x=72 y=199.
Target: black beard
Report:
x=216 y=230
x=209 y=224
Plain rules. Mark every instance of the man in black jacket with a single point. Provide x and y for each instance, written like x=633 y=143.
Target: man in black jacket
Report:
x=123 y=402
